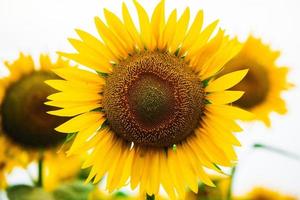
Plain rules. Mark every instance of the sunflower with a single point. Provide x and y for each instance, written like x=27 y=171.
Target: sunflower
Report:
x=98 y=194
x=260 y=193
x=149 y=108
x=264 y=82
x=219 y=192
x=26 y=128
x=8 y=161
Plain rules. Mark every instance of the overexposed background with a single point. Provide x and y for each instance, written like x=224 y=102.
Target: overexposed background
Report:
x=43 y=26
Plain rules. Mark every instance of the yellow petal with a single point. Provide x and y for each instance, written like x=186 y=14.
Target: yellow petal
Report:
x=75 y=96
x=145 y=26
x=193 y=32
x=181 y=28
x=45 y=62
x=196 y=166
x=155 y=172
x=227 y=81
x=199 y=60
x=166 y=180
x=88 y=61
x=187 y=168
x=112 y=42
x=220 y=132
x=119 y=30
x=86 y=52
x=213 y=152
x=168 y=33
x=223 y=56
x=69 y=112
x=158 y=21
x=83 y=135
x=225 y=122
x=76 y=74
x=131 y=27
x=62 y=85
x=126 y=168
x=96 y=45
x=79 y=122
x=70 y=104
x=137 y=168
x=230 y=112
x=116 y=161
x=177 y=175
x=121 y=172
x=224 y=97
x=202 y=39
x=193 y=145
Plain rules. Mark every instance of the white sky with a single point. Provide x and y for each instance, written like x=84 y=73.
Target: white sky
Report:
x=35 y=26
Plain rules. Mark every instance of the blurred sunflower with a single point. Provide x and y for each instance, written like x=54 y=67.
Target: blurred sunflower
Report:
x=264 y=82
x=219 y=192
x=8 y=161
x=260 y=193
x=27 y=131
x=149 y=108
x=98 y=194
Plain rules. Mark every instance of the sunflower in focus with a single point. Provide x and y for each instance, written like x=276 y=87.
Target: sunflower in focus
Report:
x=150 y=109
x=264 y=82
x=260 y=193
x=27 y=131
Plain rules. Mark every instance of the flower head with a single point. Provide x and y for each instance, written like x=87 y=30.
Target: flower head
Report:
x=150 y=109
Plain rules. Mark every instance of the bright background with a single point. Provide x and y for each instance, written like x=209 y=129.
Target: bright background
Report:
x=35 y=26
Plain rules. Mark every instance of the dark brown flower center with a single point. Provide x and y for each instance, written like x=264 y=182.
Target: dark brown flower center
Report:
x=24 y=117
x=255 y=85
x=153 y=99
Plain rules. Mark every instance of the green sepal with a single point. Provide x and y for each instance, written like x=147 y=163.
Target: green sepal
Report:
x=148 y=197
x=102 y=74
x=174 y=147
x=205 y=83
x=206 y=102
x=70 y=137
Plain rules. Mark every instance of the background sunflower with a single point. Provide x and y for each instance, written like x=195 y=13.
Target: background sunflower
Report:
x=26 y=130
x=264 y=83
x=259 y=193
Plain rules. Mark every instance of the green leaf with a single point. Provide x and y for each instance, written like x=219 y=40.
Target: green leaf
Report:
x=120 y=194
x=83 y=174
x=25 y=192
x=278 y=151
x=258 y=145
x=73 y=191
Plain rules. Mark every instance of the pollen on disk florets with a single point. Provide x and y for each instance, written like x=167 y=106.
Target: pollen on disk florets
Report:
x=24 y=117
x=153 y=99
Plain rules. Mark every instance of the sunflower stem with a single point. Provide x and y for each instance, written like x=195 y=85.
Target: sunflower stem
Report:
x=148 y=197
x=40 y=170
x=230 y=187
x=278 y=151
